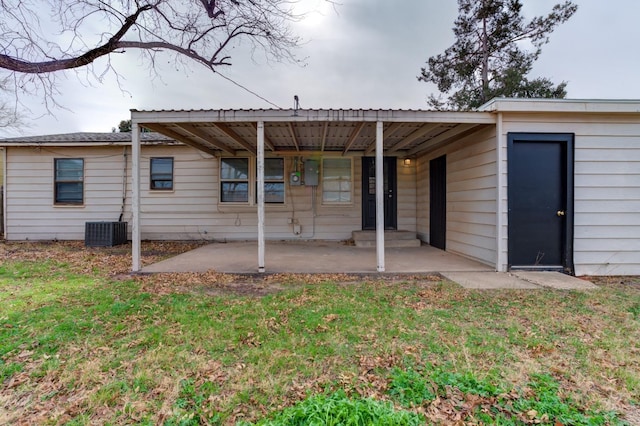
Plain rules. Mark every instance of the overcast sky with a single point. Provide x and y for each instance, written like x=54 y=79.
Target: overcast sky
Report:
x=362 y=54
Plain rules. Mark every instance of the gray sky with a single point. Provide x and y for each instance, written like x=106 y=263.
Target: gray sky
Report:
x=363 y=54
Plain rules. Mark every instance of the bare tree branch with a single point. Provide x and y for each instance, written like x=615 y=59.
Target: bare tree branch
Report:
x=40 y=38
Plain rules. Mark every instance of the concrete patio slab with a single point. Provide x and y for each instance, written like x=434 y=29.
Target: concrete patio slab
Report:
x=555 y=280
x=312 y=257
x=488 y=280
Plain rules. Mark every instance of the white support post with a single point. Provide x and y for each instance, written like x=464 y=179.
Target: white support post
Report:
x=260 y=178
x=501 y=195
x=380 y=195
x=135 y=196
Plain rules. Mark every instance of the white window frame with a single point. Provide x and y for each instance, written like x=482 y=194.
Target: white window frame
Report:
x=351 y=180
x=248 y=181
x=151 y=180
x=56 y=181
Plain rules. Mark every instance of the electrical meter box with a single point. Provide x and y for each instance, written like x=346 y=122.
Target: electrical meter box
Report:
x=311 y=172
x=295 y=179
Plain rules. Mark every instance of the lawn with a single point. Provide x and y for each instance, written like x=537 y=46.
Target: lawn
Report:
x=81 y=343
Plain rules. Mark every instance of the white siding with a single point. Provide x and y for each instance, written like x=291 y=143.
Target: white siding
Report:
x=190 y=211
x=607 y=187
x=471 y=195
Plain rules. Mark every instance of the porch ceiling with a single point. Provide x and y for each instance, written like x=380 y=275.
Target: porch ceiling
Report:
x=229 y=132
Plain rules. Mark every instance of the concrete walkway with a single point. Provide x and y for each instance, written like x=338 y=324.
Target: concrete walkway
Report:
x=518 y=280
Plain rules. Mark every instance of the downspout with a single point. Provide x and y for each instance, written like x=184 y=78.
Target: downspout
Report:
x=501 y=202
x=4 y=193
x=124 y=184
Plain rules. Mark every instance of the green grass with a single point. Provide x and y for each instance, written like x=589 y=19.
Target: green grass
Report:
x=337 y=409
x=88 y=349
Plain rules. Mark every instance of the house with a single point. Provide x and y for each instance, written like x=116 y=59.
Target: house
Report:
x=535 y=184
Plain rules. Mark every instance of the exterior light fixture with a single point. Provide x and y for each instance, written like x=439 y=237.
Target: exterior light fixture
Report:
x=407 y=162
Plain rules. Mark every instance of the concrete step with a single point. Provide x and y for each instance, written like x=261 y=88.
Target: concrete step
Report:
x=391 y=239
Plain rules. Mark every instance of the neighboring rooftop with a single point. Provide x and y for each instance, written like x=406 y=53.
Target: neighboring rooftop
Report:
x=86 y=138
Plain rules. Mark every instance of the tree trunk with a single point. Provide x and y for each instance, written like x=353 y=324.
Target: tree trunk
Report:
x=485 y=59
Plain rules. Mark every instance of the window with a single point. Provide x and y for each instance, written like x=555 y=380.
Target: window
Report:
x=273 y=180
x=234 y=180
x=336 y=180
x=161 y=173
x=69 y=181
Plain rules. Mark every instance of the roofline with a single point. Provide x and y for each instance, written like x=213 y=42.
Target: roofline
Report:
x=80 y=144
x=608 y=106
x=312 y=115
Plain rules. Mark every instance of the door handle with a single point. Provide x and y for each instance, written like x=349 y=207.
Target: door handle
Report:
x=560 y=213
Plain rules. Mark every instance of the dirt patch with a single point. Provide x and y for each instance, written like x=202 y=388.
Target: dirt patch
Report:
x=258 y=285
x=104 y=261
x=615 y=281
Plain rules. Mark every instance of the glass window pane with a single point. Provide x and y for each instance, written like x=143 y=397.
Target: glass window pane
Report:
x=331 y=185
x=235 y=192
x=345 y=185
x=234 y=168
x=69 y=192
x=69 y=169
x=273 y=192
x=331 y=197
x=162 y=184
x=161 y=165
x=274 y=168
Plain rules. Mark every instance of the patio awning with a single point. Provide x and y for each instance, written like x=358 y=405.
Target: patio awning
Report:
x=407 y=133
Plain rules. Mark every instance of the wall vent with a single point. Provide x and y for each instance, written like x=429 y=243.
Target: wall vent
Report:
x=105 y=234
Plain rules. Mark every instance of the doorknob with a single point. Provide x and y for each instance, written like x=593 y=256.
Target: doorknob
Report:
x=560 y=213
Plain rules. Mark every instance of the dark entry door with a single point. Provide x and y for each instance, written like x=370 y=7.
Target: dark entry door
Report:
x=540 y=191
x=369 y=193
x=438 y=202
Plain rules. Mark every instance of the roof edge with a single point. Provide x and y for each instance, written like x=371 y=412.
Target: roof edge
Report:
x=609 y=106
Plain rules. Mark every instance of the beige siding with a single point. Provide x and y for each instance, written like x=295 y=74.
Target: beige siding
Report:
x=407 y=193
x=31 y=213
x=190 y=211
x=422 y=198
x=607 y=187
x=1 y=166
x=471 y=196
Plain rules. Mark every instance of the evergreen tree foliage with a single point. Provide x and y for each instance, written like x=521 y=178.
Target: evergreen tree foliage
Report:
x=493 y=54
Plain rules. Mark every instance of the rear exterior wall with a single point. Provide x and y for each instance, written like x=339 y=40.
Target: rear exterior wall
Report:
x=192 y=210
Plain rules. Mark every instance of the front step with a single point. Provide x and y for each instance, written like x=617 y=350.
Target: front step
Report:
x=391 y=239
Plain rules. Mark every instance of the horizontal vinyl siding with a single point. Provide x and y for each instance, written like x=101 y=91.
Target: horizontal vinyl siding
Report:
x=407 y=196
x=471 y=196
x=607 y=187
x=190 y=211
x=31 y=212
x=422 y=199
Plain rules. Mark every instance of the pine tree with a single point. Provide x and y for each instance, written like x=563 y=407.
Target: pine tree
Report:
x=489 y=58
